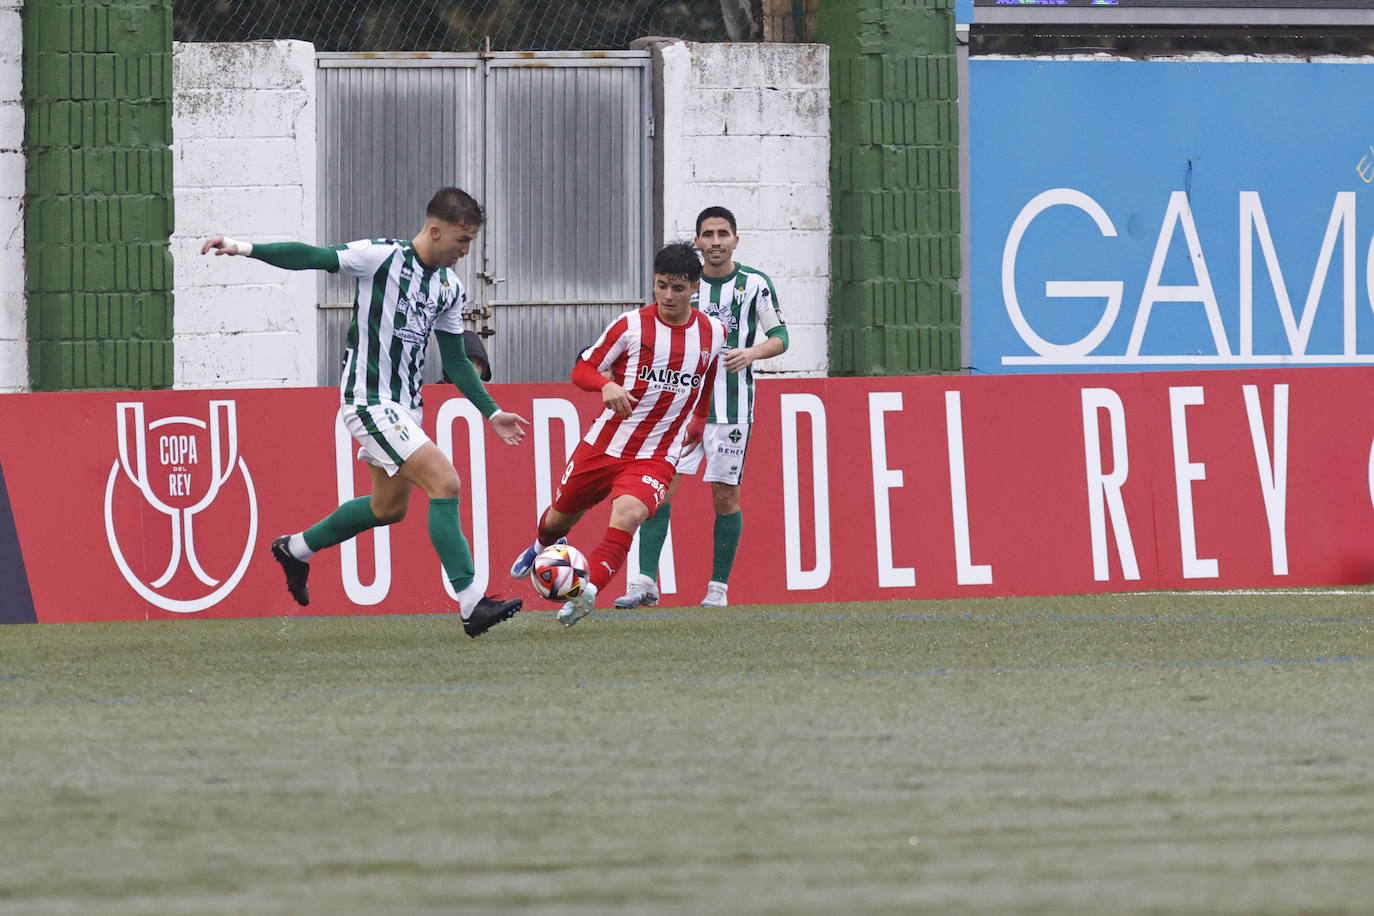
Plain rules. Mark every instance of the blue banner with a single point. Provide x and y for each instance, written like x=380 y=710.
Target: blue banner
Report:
x=16 y=602
x=1131 y=215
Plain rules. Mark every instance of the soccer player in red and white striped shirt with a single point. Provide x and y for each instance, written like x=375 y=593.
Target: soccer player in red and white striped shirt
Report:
x=661 y=361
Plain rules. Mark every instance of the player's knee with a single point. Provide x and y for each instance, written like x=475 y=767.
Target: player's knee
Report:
x=449 y=489
x=628 y=513
x=726 y=499
x=389 y=515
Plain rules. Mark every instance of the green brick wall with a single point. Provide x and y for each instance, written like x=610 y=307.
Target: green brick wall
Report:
x=98 y=127
x=894 y=306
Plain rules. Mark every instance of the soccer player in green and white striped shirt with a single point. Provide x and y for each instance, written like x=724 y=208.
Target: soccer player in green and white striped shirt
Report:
x=743 y=299
x=404 y=291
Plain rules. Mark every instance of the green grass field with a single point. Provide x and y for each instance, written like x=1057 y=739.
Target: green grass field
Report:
x=1129 y=754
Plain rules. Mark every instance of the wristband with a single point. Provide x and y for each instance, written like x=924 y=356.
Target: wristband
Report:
x=244 y=248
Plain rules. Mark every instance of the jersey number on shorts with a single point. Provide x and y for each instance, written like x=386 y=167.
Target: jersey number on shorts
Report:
x=395 y=419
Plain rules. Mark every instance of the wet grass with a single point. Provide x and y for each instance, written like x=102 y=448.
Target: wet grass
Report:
x=1147 y=753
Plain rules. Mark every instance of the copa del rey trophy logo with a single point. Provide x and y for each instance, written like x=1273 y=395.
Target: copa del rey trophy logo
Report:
x=181 y=514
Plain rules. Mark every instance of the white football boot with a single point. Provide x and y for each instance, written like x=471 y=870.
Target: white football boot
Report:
x=642 y=591
x=574 y=610
x=715 y=594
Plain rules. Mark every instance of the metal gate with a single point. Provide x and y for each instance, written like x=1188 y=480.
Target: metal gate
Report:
x=556 y=146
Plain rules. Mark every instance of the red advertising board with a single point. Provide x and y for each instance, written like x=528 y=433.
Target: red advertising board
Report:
x=134 y=505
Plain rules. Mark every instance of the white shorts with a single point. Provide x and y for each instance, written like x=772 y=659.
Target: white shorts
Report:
x=387 y=433
x=724 y=445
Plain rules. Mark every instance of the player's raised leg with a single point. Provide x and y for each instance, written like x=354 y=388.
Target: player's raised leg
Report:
x=297 y=571
x=548 y=534
x=385 y=506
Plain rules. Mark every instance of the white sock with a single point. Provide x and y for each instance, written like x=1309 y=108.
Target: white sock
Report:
x=468 y=598
x=299 y=549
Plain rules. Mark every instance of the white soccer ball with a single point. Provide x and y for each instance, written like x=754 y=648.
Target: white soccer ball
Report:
x=559 y=572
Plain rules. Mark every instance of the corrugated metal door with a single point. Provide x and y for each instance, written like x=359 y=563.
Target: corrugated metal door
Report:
x=390 y=131
x=571 y=249
x=556 y=145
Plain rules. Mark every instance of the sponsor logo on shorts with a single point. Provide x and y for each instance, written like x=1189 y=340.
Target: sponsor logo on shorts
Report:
x=660 y=491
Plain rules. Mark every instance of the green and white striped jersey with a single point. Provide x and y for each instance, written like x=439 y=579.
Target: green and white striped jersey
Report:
x=399 y=301
x=746 y=303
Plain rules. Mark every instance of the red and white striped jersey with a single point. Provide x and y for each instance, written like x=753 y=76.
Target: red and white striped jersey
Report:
x=668 y=369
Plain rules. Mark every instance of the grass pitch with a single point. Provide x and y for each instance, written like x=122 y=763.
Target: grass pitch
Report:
x=1147 y=753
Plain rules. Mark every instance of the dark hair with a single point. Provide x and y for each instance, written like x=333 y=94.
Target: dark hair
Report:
x=678 y=259
x=454 y=205
x=477 y=355
x=717 y=213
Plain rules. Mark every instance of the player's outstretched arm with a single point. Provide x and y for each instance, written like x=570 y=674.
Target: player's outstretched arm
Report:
x=509 y=427
x=287 y=255
x=222 y=244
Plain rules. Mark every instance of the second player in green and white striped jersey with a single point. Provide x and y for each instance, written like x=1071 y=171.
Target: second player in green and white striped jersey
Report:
x=399 y=301
x=746 y=303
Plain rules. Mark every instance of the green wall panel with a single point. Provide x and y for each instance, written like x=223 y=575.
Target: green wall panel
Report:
x=895 y=211
x=98 y=128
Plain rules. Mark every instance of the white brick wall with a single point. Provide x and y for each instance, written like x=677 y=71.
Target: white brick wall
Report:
x=243 y=123
x=747 y=127
x=14 y=357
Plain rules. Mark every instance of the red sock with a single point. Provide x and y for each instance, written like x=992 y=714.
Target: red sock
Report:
x=609 y=556
x=545 y=534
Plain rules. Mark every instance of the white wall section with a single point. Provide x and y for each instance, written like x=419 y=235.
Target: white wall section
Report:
x=14 y=353
x=748 y=128
x=243 y=153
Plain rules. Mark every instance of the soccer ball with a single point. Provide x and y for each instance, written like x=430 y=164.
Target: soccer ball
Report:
x=559 y=572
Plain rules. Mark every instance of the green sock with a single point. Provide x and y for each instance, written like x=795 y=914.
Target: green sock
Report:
x=652 y=534
x=349 y=520
x=727 y=532
x=446 y=533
